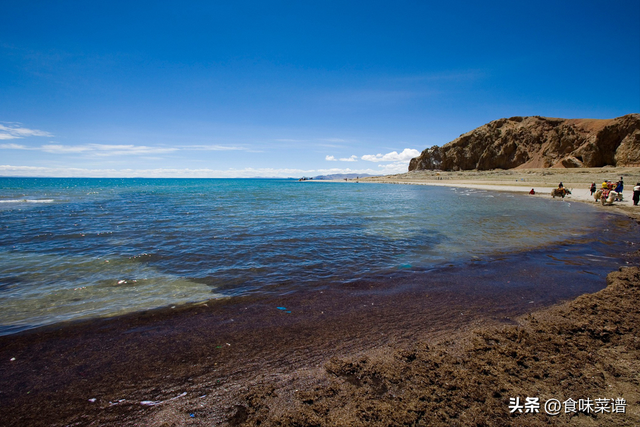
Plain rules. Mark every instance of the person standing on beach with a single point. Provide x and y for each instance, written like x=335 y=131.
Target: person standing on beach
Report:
x=593 y=188
x=618 y=190
x=636 y=194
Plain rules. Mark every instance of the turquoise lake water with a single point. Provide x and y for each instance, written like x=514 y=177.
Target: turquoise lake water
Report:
x=82 y=248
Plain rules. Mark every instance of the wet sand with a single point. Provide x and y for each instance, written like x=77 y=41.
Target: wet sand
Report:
x=397 y=350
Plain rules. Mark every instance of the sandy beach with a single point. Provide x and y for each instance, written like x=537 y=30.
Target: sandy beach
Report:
x=378 y=352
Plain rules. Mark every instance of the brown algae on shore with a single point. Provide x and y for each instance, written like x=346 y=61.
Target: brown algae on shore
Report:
x=355 y=369
x=585 y=349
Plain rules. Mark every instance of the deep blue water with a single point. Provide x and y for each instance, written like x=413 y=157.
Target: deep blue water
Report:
x=75 y=248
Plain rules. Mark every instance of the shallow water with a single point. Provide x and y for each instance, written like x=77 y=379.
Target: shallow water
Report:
x=81 y=248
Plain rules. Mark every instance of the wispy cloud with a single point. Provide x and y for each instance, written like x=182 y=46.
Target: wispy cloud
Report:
x=15 y=131
x=406 y=155
x=331 y=145
x=353 y=158
x=392 y=168
x=55 y=148
x=116 y=149
x=9 y=170
x=332 y=142
x=106 y=149
x=13 y=147
x=215 y=148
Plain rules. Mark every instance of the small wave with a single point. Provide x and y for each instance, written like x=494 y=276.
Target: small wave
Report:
x=27 y=201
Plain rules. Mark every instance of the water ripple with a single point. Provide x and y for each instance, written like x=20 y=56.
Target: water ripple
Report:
x=238 y=236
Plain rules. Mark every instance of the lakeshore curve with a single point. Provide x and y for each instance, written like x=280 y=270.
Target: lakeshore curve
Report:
x=365 y=354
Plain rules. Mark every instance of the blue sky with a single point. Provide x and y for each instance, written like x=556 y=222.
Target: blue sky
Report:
x=242 y=89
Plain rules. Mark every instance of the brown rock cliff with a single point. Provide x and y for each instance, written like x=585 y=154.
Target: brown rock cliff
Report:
x=539 y=142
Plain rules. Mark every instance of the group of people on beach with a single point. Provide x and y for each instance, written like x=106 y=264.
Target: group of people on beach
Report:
x=608 y=186
x=618 y=187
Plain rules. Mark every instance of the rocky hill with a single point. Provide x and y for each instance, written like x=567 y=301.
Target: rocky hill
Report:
x=539 y=142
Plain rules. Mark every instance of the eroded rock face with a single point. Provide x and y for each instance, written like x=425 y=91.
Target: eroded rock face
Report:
x=539 y=142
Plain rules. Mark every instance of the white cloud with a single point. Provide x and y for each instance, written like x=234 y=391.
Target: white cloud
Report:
x=95 y=149
x=55 y=148
x=8 y=170
x=13 y=147
x=16 y=132
x=215 y=148
x=406 y=155
x=105 y=149
x=392 y=168
x=343 y=159
x=118 y=149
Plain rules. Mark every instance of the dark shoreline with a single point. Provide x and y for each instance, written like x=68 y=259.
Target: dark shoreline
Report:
x=221 y=348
